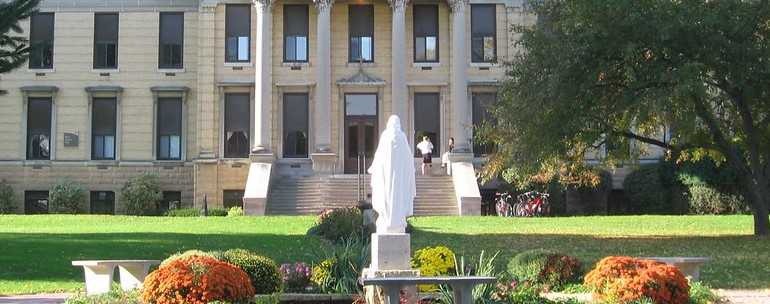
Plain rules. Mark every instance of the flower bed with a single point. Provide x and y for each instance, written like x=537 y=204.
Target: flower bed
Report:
x=626 y=279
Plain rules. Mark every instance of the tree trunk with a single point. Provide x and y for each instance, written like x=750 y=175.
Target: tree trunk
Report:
x=756 y=196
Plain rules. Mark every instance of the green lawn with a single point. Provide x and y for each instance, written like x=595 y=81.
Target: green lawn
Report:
x=35 y=251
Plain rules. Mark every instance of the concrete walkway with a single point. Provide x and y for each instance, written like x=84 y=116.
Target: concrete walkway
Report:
x=57 y=298
x=731 y=296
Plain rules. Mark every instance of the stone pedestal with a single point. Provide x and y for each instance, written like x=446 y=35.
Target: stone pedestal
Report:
x=325 y=163
x=391 y=255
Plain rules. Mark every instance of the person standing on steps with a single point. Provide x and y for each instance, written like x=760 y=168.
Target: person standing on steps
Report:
x=445 y=157
x=426 y=149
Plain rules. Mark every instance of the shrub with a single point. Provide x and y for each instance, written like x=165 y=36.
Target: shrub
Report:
x=197 y=280
x=184 y=212
x=336 y=225
x=217 y=212
x=648 y=191
x=141 y=195
x=262 y=270
x=705 y=199
x=7 y=199
x=189 y=253
x=544 y=268
x=702 y=294
x=115 y=295
x=341 y=267
x=235 y=211
x=433 y=261
x=626 y=279
x=67 y=197
x=322 y=274
x=295 y=277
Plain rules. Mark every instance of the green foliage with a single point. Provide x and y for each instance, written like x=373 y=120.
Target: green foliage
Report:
x=184 y=212
x=702 y=294
x=189 y=253
x=712 y=187
x=484 y=267
x=235 y=211
x=116 y=295
x=263 y=271
x=141 y=195
x=341 y=267
x=67 y=196
x=217 y=212
x=704 y=199
x=7 y=199
x=544 y=269
x=338 y=225
x=14 y=48
x=433 y=261
x=646 y=191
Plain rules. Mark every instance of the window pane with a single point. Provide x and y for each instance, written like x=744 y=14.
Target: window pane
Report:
x=238 y=31
x=355 y=49
x=38 y=128
x=175 y=147
x=171 y=39
x=481 y=103
x=291 y=51
x=419 y=49
x=431 y=51
x=483 y=32
x=243 y=48
x=102 y=202
x=105 y=40
x=477 y=49
x=489 y=48
x=109 y=147
x=237 y=120
x=361 y=20
x=360 y=104
x=163 y=147
x=41 y=41
x=425 y=20
x=295 y=20
x=427 y=120
x=35 y=202
x=301 y=48
x=366 y=48
x=295 y=125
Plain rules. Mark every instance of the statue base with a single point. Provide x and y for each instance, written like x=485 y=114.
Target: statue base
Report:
x=391 y=251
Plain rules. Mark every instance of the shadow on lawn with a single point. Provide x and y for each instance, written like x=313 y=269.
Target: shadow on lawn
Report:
x=737 y=261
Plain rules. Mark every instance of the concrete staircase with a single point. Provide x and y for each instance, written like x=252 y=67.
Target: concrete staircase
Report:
x=312 y=194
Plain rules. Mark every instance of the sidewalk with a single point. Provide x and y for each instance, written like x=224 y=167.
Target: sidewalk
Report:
x=57 y=298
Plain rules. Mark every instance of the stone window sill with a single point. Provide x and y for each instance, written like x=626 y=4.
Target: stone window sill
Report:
x=239 y=64
x=47 y=71
x=426 y=64
x=182 y=70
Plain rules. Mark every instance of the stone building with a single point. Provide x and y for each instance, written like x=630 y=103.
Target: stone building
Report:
x=275 y=105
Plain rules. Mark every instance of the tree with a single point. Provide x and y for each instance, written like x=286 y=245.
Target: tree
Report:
x=595 y=72
x=14 y=48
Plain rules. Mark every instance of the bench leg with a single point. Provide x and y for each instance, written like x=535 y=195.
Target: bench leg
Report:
x=463 y=293
x=392 y=294
x=98 y=279
x=691 y=270
x=132 y=276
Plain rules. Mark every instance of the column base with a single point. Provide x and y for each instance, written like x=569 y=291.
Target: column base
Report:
x=266 y=157
x=324 y=162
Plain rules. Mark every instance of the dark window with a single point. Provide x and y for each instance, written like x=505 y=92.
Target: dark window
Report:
x=483 y=33
x=169 y=130
x=35 y=202
x=427 y=120
x=232 y=198
x=105 y=41
x=426 y=33
x=238 y=32
x=237 y=123
x=171 y=44
x=103 y=128
x=481 y=104
x=295 y=33
x=102 y=202
x=295 y=125
x=171 y=200
x=39 y=128
x=361 y=29
x=41 y=41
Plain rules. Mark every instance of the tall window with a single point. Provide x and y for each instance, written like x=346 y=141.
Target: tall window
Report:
x=103 y=128
x=237 y=123
x=39 y=128
x=295 y=29
x=427 y=120
x=41 y=40
x=35 y=202
x=483 y=33
x=426 y=33
x=295 y=125
x=361 y=29
x=105 y=41
x=171 y=44
x=481 y=104
x=238 y=32
x=232 y=198
x=102 y=202
x=169 y=131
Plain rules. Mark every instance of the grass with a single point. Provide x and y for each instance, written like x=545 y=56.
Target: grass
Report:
x=36 y=251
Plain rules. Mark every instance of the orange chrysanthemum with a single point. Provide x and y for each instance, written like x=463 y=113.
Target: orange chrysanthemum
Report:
x=626 y=279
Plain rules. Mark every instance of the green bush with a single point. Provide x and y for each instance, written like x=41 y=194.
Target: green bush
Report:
x=712 y=189
x=544 y=268
x=263 y=271
x=235 y=211
x=114 y=296
x=341 y=267
x=191 y=252
x=184 y=212
x=67 y=197
x=648 y=190
x=7 y=199
x=339 y=224
x=704 y=199
x=217 y=212
x=141 y=195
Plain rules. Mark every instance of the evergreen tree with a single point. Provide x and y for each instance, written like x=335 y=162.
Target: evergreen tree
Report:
x=14 y=47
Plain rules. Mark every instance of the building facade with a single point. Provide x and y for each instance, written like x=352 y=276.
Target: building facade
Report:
x=221 y=97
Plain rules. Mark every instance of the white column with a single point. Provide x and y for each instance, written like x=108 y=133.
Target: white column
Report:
x=263 y=88
x=323 y=95
x=461 y=110
x=398 y=61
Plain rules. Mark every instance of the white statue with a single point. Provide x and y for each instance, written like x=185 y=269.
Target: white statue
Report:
x=393 y=185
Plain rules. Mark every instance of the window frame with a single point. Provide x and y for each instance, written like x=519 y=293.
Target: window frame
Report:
x=494 y=34
x=36 y=48
x=98 y=43
x=285 y=37
x=284 y=141
x=159 y=135
x=161 y=44
x=109 y=197
x=27 y=198
x=417 y=139
x=227 y=34
x=351 y=36
x=415 y=36
x=230 y=154
x=94 y=135
x=28 y=139
x=487 y=148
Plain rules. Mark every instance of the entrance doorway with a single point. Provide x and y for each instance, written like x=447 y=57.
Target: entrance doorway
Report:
x=360 y=131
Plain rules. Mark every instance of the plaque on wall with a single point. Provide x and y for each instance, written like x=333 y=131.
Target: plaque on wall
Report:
x=70 y=139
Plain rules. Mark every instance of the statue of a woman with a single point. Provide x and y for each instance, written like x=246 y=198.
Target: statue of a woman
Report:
x=393 y=181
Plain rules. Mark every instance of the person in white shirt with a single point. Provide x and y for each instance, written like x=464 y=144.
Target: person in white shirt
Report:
x=426 y=149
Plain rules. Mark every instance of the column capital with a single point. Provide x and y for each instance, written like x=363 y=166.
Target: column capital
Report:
x=457 y=4
x=398 y=4
x=266 y=5
x=323 y=5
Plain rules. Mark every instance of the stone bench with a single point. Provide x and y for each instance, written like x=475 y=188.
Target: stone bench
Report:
x=99 y=273
x=690 y=266
x=461 y=286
